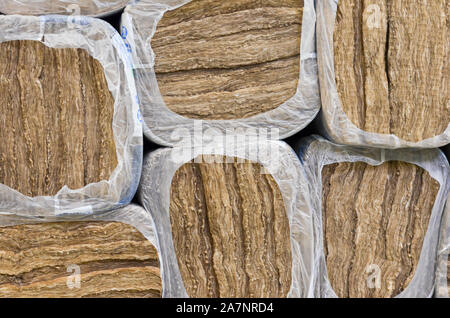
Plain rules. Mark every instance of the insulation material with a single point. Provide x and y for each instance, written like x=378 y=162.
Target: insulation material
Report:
x=47 y=113
x=68 y=108
x=443 y=265
x=383 y=85
x=378 y=235
x=114 y=254
x=230 y=220
x=262 y=269
x=231 y=64
x=69 y=7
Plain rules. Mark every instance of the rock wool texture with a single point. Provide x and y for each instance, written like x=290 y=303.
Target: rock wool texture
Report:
x=38 y=7
x=375 y=224
x=228 y=59
x=230 y=230
x=115 y=260
x=56 y=116
x=391 y=59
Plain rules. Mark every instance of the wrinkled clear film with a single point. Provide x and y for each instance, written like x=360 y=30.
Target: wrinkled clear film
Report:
x=104 y=44
x=139 y=23
x=132 y=214
x=65 y=7
x=154 y=193
x=316 y=152
x=442 y=277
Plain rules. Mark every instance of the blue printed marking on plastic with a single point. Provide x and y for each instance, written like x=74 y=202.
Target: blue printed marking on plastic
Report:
x=139 y=115
x=128 y=47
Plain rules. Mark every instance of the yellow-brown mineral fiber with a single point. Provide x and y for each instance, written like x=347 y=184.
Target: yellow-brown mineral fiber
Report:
x=228 y=59
x=56 y=119
x=114 y=260
x=391 y=59
x=230 y=230
x=374 y=223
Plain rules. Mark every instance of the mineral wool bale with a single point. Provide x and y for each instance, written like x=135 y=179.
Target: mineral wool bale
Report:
x=233 y=64
x=377 y=215
x=57 y=112
x=115 y=255
x=384 y=71
x=229 y=221
x=74 y=7
x=70 y=134
x=443 y=257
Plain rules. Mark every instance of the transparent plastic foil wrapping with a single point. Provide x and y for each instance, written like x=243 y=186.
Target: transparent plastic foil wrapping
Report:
x=383 y=91
x=103 y=276
x=105 y=45
x=278 y=160
x=316 y=153
x=442 y=274
x=96 y=8
x=168 y=128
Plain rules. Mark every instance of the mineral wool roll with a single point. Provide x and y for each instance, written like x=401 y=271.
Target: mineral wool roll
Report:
x=71 y=140
x=384 y=68
x=114 y=255
x=443 y=265
x=377 y=216
x=228 y=220
x=232 y=64
x=73 y=7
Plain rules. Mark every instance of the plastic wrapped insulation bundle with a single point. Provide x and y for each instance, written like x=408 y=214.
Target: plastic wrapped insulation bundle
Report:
x=231 y=219
x=377 y=215
x=243 y=66
x=383 y=70
x=71 y=132
x=112 y=254
x=97 y=8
